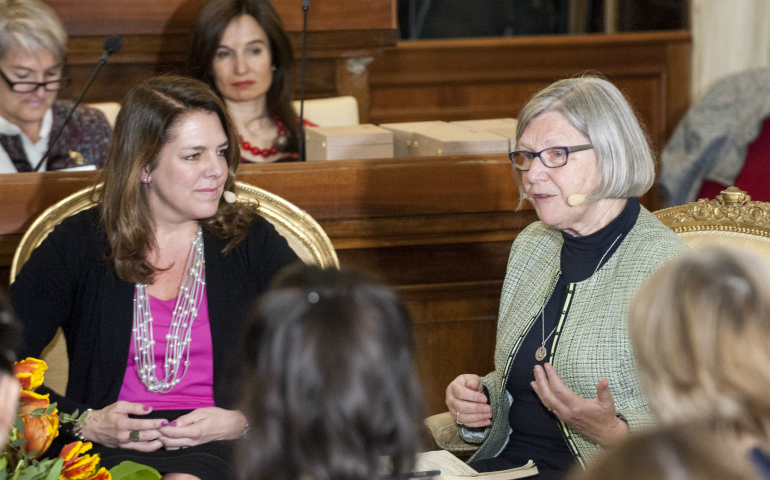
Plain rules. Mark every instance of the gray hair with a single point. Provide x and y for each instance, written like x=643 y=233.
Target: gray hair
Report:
x=600 y=112
x=33 y=26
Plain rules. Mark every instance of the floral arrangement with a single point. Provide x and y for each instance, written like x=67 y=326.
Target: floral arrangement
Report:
x=36 y=425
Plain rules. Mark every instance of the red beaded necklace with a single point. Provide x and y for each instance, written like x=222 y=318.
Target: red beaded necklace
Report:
x=256 y=151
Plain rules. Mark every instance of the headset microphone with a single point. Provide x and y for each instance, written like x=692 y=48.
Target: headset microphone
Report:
x=576 y=199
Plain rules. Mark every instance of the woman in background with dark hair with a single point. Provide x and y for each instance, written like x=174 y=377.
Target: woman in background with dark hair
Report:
x=240 y=49
x=330 y=383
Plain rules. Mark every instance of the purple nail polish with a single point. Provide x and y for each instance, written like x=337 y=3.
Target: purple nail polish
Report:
x=164 y=424
x=147 y=408
x=173 y=424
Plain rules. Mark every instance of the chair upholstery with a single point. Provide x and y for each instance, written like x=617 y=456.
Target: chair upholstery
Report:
x=730 y=219
x=304 y=235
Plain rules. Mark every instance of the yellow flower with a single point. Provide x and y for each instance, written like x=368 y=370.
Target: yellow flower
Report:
x=30 y=372
x=78 y=466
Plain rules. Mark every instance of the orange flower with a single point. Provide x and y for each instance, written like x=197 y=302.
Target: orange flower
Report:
x=30 y=372
x=78 y=466
x=31 y=401
x=39 y=432
x=102 y=474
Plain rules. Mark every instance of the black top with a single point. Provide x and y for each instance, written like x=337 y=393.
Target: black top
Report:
x=68 y=283
x=536 y=432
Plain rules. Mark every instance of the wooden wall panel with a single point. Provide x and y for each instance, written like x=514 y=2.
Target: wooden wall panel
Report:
x=488 y=78
x=438 y=229
x=151 y=17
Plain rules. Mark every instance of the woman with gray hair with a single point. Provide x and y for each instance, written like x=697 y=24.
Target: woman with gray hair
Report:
x=564 y=383
x=33 y=46
x=701 y=329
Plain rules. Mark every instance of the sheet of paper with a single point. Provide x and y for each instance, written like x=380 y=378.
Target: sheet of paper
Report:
x=443 y=461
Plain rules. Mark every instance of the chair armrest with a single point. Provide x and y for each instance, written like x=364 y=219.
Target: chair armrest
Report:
x=446 y=434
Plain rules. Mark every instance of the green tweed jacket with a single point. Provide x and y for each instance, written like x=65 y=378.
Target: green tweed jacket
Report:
x=592 y=343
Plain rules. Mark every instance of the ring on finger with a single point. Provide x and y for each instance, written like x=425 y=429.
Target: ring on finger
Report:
x=133 y=436
x=457 y=419
x=550 y=409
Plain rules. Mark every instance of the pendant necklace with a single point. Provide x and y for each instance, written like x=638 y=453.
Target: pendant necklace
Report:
x=541 y=352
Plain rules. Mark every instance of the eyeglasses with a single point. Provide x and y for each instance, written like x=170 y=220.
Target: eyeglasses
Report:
x=553 y=157
x=29 y=87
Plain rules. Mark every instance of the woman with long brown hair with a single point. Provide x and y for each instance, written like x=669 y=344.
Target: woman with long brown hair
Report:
x=151 y=285
x=240 y=49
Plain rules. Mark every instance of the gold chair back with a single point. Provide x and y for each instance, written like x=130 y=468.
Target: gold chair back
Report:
x=301 y=231
x=732 y=219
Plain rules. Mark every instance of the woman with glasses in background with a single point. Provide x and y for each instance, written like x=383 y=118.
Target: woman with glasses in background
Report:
x=565 y=381
x=33 y=46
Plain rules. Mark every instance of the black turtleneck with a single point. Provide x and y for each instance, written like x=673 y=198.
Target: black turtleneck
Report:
x=536 y=433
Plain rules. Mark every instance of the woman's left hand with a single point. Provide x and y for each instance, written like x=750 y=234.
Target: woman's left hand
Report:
x=203 y=425
x=594 y=418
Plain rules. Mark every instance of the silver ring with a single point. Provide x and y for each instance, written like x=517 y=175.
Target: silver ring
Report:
x=457 y=419
x=133 y=436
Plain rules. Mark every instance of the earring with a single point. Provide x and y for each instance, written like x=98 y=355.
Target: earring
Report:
x=146 y=179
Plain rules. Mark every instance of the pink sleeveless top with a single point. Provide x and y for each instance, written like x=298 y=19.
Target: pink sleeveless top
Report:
x=196 y=390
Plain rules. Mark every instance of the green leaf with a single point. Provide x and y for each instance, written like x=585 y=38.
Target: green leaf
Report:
x=37 y=412
x=51 y=408
x=28 y=473
x=75 y=413
x=18 y=424
x=82 y=418
x=3 y=474
x=134 y=471
x=55 y=471
x=18 y=442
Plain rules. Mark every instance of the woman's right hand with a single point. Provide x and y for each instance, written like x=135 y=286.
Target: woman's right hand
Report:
x=465 y=396
x=111 y=426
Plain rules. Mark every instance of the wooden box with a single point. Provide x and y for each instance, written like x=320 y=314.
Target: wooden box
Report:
x=452 y=139
x=505 y=127
x=404 y=144
x=348 y=142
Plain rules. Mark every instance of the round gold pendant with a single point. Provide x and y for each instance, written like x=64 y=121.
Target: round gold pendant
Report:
x=540 y=354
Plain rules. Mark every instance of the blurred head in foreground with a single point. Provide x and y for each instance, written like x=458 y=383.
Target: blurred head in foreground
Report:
x=330 y=383
x=10 y=331
x=701 y=330
x=674 y=453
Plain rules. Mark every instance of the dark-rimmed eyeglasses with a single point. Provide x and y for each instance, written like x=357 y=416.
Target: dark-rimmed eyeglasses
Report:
x=553 y=157
x=29 y=87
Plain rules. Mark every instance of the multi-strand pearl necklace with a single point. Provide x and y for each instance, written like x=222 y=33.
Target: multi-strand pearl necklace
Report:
x=178 y=338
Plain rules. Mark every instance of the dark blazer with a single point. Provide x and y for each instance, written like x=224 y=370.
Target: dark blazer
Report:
x=68 y=283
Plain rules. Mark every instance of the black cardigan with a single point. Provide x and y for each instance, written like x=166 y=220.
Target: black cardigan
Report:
x=68 y=283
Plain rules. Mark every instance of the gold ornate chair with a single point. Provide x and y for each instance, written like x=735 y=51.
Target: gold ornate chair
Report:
x=304 y=235
x=731 y=219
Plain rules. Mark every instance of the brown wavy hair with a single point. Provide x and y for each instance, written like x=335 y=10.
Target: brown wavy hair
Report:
x=206 y=34
x=145 y=122
x=329 y=385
